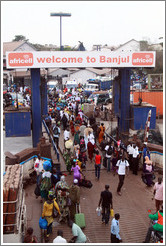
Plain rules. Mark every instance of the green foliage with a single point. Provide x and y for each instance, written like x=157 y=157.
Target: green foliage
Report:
x=19 y=38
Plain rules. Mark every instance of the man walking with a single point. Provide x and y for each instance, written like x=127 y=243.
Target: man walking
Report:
x=115 y=237
x=122 y=164
x=106 y=202
x=109 y=152
x=56 y=134
x=135 y=159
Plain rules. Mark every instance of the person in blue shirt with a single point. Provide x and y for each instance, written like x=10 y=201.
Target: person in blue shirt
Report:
x=115 y=237
x=145 y=151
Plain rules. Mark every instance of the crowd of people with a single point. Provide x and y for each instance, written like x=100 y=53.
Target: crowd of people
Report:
x=59 y=199
x=85 y=140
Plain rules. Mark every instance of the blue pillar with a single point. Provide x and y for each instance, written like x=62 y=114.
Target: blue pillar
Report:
x=36 y=106
x=116 y=96
x=44 y=108
x=124 y=101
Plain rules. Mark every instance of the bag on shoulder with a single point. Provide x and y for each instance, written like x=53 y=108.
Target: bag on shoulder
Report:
x=45 y=184
x=55 y=130
x=54 y=212
x=68 y=201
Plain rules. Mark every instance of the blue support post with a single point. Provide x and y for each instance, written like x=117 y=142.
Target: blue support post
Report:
x=124 y=123
x=116 y=97
x=36 y=106
x=44 y=108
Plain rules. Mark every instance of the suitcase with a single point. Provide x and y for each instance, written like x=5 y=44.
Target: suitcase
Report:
x=86 y=183
x=80 y=218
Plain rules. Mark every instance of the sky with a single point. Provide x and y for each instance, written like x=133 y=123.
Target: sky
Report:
x=91 y=22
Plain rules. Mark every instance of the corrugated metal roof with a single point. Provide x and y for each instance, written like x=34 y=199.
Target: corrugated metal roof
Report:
x=99 y=71
x=12 y=46
x=25 y=73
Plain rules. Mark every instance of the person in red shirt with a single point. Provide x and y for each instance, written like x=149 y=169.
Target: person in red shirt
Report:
x=97 y=164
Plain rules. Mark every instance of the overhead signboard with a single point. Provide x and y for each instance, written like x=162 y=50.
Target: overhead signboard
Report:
x=48 y=59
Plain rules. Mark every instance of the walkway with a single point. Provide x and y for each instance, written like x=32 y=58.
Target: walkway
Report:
x=133 y=206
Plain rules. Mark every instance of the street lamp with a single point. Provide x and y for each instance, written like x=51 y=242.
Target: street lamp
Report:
x=60 y=15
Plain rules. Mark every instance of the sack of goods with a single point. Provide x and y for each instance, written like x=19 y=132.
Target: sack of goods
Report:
x=68 y=144
x=98 y=210
x=43 y=223
x=47 y=165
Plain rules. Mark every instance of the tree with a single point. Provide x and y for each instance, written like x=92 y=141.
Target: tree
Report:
x=19 y=38
x=143 y=45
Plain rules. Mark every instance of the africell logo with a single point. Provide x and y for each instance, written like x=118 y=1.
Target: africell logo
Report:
x=142 y=59
x=20 y=59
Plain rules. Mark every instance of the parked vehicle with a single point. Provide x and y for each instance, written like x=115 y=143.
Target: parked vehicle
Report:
x=101 y=96
x=71 y=84
x=52 y=84
x=90 y=88
x=97 y=85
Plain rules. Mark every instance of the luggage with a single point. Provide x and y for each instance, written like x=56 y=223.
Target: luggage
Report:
x=86 y=183
x=80 y=218
x=43 y=223
x=37 y=190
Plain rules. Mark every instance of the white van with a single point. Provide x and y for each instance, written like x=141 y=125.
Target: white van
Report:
x=71 y=84
x=51 y=84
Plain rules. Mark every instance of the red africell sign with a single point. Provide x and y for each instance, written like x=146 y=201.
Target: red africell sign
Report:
x=142 y=59
x=20 y=59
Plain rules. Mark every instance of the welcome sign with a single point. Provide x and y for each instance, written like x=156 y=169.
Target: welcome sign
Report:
x=48 y=59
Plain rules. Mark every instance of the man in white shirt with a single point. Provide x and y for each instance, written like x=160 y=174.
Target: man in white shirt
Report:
x=130 y=154
x=122 y=165
x=59 y=238
x=135 y=159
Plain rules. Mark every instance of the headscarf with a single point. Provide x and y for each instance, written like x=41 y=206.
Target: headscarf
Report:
x=148 y=164
x=147 y=161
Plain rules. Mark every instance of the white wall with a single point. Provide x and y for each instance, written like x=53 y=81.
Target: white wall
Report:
x=130 y=46
x=82 y=76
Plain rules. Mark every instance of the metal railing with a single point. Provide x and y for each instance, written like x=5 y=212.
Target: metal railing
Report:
x=52 y=140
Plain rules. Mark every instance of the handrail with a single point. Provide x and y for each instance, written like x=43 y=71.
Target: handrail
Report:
x=86 y=117
x=153 y=152
x=34 y=156
x=52 y=140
